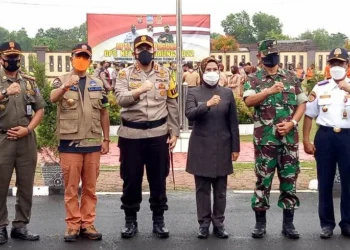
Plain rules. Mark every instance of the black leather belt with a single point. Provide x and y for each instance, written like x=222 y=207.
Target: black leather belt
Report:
x=336 y=130
x=144 y=125
x=3 y=131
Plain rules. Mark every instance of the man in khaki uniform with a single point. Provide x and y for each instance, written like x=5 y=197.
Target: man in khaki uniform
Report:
x=21 y=110
x=150 y=126
x=191 y=77
x=81 y=118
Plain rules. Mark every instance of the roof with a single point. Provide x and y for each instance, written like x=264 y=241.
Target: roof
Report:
x=287 y=46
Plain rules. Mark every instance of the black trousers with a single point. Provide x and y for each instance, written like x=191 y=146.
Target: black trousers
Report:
x=134 y=155
x=332 y=149
x=203 y=198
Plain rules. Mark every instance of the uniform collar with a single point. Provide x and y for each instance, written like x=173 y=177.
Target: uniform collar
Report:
x=4 y=78
x=265 y=74
x=156 y=67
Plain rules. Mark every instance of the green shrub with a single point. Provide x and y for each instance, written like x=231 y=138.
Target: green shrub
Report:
x=114 y=110
x=46 y=136
x=245 y=114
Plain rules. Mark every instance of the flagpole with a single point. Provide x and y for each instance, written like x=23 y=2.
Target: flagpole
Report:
x=182 y=89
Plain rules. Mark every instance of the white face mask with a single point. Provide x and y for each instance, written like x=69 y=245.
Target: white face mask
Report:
x=211 y=78
x=337 y=72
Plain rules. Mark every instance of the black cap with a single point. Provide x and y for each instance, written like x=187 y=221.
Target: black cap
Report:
x=82 y=48
x=8 y=48
x=340 y=54
x=143 y=40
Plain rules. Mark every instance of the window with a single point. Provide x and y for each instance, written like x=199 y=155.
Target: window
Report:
x=51 y=64
x=228 y=59
x=294 y=60
x=213 y=56
x=235 y=60
x=67 y=63
x=285 y=62
x=59 y=64
x=243 y=59
x=220 y=58
x=301 y=60
x=320 y=62
x=31 y=66
x=23 y=62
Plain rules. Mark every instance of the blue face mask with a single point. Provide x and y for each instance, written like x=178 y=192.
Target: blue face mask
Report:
x=271 y=60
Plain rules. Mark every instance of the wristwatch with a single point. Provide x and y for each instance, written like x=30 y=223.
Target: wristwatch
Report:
x=295 y=123
x=4 y=92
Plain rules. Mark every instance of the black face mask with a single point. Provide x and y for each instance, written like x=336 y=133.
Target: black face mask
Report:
x=271 y=60
x=12 y=65
x=145 y=57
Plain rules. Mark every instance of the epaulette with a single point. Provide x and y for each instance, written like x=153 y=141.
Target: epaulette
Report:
x=324 y=82
x=27 y=77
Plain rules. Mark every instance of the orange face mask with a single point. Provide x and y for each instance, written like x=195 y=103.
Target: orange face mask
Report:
x=80 y=63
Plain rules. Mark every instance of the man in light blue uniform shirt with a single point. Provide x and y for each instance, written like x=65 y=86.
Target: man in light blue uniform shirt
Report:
x=329 y=104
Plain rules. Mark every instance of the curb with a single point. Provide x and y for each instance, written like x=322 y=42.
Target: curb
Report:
x=48 y=191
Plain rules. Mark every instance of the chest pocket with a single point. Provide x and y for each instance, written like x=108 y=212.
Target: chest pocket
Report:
x=161 y=90
x=289 y=97
x=70 y=100
x=96 y=99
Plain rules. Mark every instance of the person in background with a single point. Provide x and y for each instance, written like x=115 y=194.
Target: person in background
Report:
x=191 y=77
x=223 y=78
x=299 y=71
x=214 y=143
x=235 y=81
x=185 y=68
x=310 y=73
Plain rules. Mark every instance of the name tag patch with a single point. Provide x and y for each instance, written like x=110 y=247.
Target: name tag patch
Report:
x=90 y=89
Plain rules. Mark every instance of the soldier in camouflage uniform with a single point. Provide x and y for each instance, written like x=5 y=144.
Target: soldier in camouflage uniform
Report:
x=279 y=104
x=166 y=37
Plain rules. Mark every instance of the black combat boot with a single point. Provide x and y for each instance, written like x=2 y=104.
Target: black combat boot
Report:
x=130 y=228
x=3 y=235
x=288 y=228
x=260 y=225
x=160 y=230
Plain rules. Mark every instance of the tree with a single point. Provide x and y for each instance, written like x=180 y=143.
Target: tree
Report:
x=264 y=23
x=278 y=36
x=4 y=35
x=22 y=38
x=225 y=43
x=214 y=35
x=338 y=40
x=320 y=37
x=347 y=45
x=239 y=26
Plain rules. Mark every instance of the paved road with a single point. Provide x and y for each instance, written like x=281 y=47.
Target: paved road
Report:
x=48 y=220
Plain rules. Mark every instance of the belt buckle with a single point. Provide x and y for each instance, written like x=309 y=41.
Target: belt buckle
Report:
x=337 y=130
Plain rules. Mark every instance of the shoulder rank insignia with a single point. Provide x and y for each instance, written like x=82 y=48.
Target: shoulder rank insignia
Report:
x=323 y=83
x=312 y=96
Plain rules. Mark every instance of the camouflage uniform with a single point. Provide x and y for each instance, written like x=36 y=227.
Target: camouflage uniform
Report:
x=167 y=35
x=271 y=149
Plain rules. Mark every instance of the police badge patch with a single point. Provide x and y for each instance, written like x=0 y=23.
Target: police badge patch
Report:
x=122 y=75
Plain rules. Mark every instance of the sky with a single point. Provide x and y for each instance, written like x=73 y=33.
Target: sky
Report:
x=296 y=16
